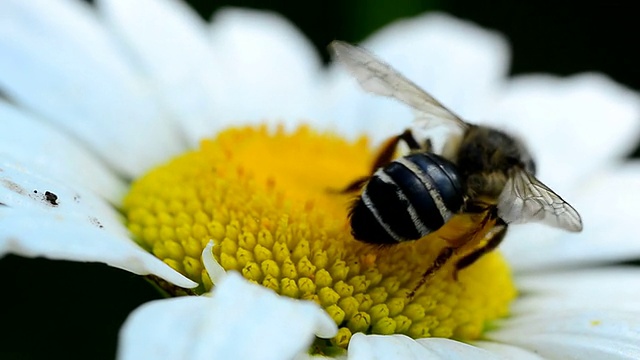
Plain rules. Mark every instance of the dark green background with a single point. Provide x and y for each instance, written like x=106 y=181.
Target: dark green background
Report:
x=74 y=310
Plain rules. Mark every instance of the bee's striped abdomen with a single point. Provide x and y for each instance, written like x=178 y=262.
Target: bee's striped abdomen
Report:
x=407 y=199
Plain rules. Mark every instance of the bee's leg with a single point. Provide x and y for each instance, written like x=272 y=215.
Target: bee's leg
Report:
x=388 y=150
x=385 y=156
x=353 y=186
x=412 y=143
x=428 y=146
x=441 y=259
x=496 y=239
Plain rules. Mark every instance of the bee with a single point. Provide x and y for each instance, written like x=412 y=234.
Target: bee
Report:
x=480 y=171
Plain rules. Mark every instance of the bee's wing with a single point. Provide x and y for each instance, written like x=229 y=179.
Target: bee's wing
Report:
x=377 y=77
x=526 y=199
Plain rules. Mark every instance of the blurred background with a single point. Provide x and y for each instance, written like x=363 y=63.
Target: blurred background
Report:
x=549 y=36
x=86 y=303
x=558 y=37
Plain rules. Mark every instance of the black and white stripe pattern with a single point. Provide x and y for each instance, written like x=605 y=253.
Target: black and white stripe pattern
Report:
x=406 y=200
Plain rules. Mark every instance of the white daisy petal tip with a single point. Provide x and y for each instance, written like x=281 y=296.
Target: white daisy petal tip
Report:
x=439 y=28
x=171 y=42
x=434 y=50
x=241 y=24
x=175 y=51
x=239 y=321
x=214 y=269
x=373 y=347
x=265 y=52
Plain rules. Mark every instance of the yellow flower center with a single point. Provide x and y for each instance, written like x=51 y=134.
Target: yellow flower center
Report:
x=268 y=202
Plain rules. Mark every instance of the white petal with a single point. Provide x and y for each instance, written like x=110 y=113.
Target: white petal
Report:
x=574 y=126
x=507 y=351
x=371 y=347
x=172 y=44
x=60 y=63
x=40 y=147
x=240 y=321
x=75 y=225
x=460 y=64
x=606 y=334
x=594 y=289
x=608 y=208
x=270 y=70
x=536 y=247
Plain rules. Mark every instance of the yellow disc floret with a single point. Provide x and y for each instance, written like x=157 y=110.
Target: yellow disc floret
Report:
x=269 y=202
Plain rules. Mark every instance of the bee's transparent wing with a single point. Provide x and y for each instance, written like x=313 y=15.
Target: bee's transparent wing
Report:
x=526 y=199
x=377 y=77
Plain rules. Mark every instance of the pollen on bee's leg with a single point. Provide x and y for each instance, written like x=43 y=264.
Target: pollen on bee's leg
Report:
x=256 y=201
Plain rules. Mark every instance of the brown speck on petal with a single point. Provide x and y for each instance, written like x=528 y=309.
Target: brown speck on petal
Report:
x=51 y=198
x=13 y=186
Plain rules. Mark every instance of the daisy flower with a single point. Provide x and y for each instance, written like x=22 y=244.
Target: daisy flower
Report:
x=204 y=155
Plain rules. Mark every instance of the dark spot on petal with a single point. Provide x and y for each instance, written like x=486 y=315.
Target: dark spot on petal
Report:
x=76 y=198
x=51 y=198
x=96 y=222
